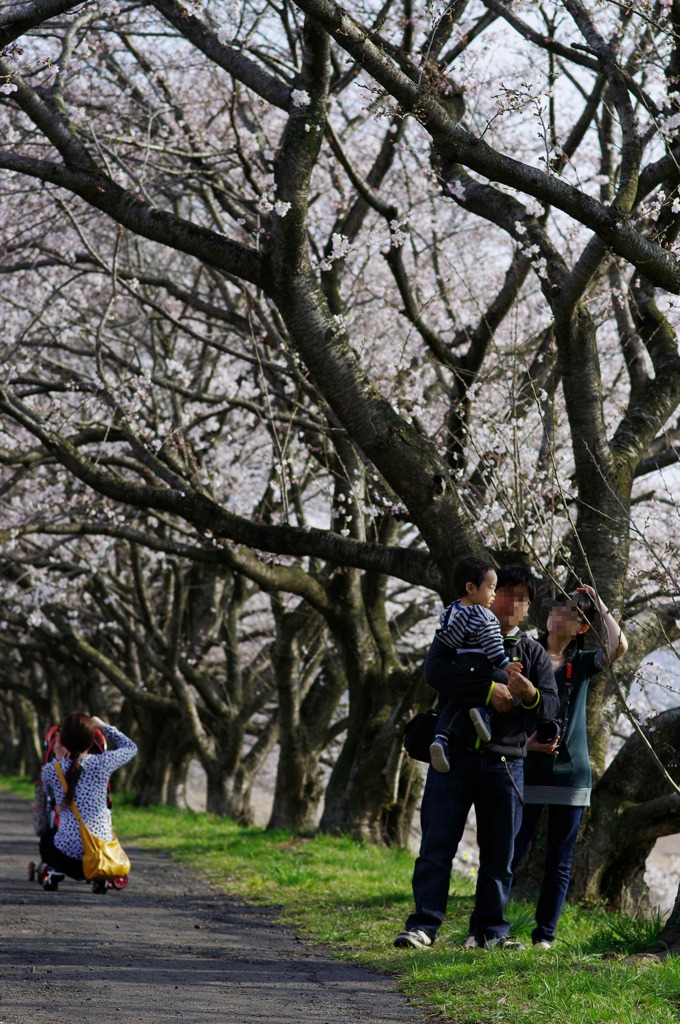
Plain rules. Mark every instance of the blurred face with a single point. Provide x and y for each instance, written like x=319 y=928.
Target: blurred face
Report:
x=565 y=621
x=485 y=593
x=511 y=605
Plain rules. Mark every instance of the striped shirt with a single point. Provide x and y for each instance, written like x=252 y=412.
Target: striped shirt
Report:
x=472 y=627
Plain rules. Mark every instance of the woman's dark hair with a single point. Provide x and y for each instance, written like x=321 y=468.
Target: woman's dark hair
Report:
x=77 y=735
x=470 y=570
x=585 y=608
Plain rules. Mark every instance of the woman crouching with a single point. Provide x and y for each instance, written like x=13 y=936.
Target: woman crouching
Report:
x=86 y=778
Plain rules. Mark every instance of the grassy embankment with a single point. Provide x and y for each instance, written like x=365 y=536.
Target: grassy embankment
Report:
x=353 y=899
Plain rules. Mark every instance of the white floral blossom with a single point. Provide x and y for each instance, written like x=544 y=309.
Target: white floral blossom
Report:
x=8 y=88
x=533 y=207
x=397 y=234
x=268 y=203
x=670 y=124
x=229 y=27
x=300 y=98
x=457 y=190
x=339 y=249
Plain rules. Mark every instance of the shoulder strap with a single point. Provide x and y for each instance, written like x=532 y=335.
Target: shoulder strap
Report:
x=59 y=770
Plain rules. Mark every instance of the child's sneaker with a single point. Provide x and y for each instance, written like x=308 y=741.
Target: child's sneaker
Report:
x=439 y=753
x=482 y=723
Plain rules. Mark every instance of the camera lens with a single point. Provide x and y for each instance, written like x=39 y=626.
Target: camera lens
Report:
x=546 y=732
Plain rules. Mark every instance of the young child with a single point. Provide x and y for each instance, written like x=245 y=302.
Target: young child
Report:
x=474 y=635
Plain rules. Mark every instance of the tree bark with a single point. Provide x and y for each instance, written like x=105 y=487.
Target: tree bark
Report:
x=632 y=807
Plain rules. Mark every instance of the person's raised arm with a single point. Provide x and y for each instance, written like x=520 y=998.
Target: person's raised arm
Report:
x=618 y=645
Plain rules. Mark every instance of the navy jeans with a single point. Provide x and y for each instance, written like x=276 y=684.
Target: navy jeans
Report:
x=483 y=779
x=563 y=823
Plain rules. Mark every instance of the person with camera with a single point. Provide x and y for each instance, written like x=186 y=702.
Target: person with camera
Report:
x=557 y=772
x=76 y=773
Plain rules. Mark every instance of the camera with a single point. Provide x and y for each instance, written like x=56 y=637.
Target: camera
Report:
x=546 y=732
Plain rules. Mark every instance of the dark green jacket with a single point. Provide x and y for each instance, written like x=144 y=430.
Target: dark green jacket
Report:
x=565 y=777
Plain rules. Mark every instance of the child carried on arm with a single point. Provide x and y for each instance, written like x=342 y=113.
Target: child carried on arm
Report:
x=473 y=633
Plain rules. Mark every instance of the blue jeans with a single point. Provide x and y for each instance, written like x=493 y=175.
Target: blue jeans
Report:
x=563 y=823
x=483 y=779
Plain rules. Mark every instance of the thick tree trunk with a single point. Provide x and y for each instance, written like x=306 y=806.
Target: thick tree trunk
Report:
x=176 y=779
x=398 y=818
x=304 y=735
x=363 y=793
x=161 y=745
x=305 y=710
x=299 y=786
x=668 y=941
x=632 y=807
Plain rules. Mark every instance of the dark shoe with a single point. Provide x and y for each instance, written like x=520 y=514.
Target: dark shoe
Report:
x=51 y=880
x=439 y=754
x=504 y=942
x=100 y=886
x=482 y=723
x=415 y=938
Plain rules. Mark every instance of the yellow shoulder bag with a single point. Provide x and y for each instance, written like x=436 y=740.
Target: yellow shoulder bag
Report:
x=102 y=858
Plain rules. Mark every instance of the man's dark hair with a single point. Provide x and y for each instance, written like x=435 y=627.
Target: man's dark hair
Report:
x=516 y=576
x=470 y=570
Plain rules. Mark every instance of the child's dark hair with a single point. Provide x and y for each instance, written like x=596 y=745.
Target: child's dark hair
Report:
x=585 y=608
x=470 y=570
x=77 y=735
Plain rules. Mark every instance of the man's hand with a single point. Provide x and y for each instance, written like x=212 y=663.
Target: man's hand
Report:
x=520 y=686
x=501 y=698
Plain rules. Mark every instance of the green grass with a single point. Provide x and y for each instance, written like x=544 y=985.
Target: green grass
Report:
x=353 y=898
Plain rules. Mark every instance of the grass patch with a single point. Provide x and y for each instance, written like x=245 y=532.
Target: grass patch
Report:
x=353 y=898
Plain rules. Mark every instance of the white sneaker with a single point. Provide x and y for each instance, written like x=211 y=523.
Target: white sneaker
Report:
x=482 y=723
x=416 y=938
x=542 y=944
x=470 y=943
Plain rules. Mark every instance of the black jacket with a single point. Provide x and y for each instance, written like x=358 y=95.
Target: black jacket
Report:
x=508 y=729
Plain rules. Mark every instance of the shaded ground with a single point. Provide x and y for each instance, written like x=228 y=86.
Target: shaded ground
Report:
x=168 y=948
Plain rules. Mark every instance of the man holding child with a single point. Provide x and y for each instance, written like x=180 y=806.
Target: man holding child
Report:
x=486 y=775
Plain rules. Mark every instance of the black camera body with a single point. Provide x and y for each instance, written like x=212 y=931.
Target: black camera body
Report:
x=547 y=732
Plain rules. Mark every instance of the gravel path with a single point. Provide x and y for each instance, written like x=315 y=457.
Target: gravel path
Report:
x=168 y=948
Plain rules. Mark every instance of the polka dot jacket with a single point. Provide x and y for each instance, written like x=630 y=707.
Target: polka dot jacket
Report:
x=91 y=791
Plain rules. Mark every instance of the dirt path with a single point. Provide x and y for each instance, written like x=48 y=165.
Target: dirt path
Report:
x=166 y=949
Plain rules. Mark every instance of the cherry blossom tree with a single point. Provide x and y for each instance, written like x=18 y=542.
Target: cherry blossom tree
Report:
x=431 y=252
